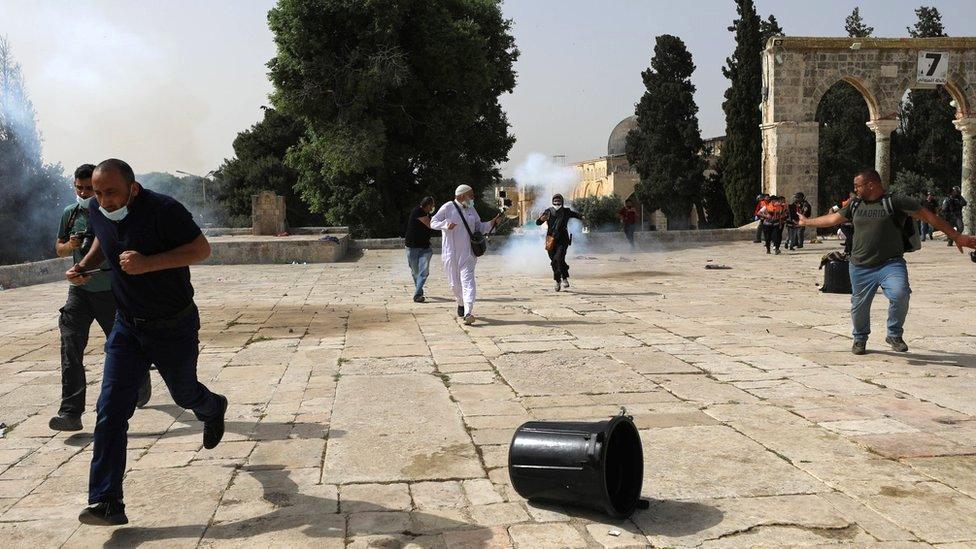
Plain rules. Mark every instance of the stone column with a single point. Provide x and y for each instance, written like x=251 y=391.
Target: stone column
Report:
x=968 y=128
x=790 y=162
x=882 y=129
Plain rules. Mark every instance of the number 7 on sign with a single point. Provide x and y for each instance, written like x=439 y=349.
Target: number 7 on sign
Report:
x=935 y=57
x=931 y=69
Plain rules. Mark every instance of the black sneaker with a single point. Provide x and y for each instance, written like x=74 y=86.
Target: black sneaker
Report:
x=897 y=343
x=859 y=347
x=418 y=299
x=145 y=392
x=65 y=422
x=213 y=430
x=460 y=311
x=565 y=283
x=106 y=513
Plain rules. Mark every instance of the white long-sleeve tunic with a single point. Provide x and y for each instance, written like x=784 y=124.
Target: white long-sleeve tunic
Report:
x=459 y=261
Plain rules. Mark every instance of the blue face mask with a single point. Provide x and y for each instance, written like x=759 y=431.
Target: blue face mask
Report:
x=83 y=202
x=119 y=214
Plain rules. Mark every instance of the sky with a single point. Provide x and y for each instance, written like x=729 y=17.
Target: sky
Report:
x=168 y=85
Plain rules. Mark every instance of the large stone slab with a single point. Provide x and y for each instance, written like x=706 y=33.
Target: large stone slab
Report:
x=395 y=428
x=562 y=372
x=714 y=462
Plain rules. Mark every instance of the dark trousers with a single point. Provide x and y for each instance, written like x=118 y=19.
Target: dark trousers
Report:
x=629 y=233
x=80 y=310
x=773 y=234
x=760 y=231
x=794 y=237
x=557 y=260
x=129 y=351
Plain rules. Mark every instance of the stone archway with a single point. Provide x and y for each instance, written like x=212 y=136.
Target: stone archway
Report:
x=798 y=71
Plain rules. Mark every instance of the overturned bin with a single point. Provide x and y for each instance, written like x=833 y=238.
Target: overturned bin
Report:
x=599 y=465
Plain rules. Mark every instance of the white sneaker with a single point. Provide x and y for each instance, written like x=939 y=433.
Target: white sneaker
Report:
x=468 y=319
x=558 y=286
x=565 y=283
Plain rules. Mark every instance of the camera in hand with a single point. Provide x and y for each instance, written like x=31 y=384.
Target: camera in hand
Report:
x=86 y=238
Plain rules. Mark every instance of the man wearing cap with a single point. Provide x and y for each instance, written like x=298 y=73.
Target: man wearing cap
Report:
x=457 y=219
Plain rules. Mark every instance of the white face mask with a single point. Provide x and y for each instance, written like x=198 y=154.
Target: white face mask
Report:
x=119 y=214
x=469 y=202
x=557 y=206
x=83 y=202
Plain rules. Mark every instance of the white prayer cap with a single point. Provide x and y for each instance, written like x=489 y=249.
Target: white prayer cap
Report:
x=461 y=189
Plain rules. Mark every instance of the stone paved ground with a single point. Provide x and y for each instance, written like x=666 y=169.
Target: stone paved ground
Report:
x=361 y=419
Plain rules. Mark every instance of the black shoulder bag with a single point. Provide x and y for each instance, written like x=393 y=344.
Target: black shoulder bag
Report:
x=479 y=243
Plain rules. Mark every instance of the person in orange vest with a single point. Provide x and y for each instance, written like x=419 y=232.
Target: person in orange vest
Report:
x=773 y=216
x=760 y=204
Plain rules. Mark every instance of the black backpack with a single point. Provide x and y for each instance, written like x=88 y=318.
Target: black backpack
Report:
x=909 y=234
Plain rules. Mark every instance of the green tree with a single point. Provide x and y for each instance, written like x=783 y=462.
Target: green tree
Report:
x=909 y=183
x=259 y=165
x=742 y=154
x=600 y=213
x=846 y=143
x=35 y=193
x=926 y=141
x=665 y=146
x=399 y=99
x=855 y=26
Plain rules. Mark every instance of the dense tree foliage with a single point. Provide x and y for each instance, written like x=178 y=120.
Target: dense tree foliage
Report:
x=742 y=154
x=34 y=193
x=665 y=147
x=399 y=99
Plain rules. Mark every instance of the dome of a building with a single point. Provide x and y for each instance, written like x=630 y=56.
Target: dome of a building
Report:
x=617 y=144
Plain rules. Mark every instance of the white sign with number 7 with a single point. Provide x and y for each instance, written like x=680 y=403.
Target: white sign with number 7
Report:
x=933 y=67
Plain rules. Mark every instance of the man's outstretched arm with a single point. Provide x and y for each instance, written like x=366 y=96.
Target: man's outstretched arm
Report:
x=961 y=240
x=822 y=222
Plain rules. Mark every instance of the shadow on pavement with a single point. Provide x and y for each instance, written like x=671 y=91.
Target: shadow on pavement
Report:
x=313 y=516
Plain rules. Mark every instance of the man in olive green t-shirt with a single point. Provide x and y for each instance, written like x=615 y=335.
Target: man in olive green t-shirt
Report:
x=876 y=259
x=92 y=301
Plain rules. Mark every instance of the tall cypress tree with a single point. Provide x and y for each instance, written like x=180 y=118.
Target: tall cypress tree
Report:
x=846 y=143
x=742 y=154
x=927 y=143
x=665 y=146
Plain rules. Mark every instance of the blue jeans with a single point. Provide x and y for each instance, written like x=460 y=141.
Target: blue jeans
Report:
x=892 y=278
x=129 y=350
x=419 y=261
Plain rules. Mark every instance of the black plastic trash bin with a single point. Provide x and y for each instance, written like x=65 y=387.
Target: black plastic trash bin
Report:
x=837 y=277
x=599 y=465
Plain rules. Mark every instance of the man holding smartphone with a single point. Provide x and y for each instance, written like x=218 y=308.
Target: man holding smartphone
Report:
x=86 y=303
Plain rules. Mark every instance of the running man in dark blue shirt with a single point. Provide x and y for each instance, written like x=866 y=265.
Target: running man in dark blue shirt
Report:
x=149 y=241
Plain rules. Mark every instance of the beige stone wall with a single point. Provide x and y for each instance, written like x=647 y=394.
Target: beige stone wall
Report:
x=798 y=71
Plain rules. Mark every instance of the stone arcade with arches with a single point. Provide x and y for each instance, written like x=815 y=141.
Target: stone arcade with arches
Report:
x=797 y=72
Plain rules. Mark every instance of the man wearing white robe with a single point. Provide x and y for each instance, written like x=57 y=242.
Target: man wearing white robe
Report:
x=459 y=260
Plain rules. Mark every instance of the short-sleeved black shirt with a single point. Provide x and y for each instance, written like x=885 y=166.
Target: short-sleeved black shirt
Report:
x=417 y=235
x=156 y=223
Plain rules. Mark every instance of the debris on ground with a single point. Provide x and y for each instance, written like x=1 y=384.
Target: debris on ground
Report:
x=329 y=239
x=585 y=257
x=615 y=533
x=717 y=266
x=283 y=233
x=624 y=259
x=3 y=429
